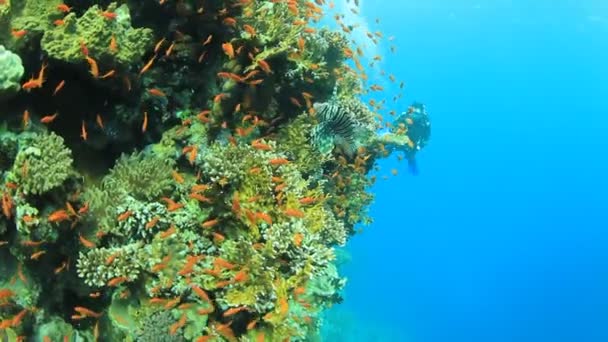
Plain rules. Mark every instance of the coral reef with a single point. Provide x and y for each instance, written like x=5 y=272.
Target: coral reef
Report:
x=42 y=163
x=106 y=34
x=203 y=163
x=11 y=71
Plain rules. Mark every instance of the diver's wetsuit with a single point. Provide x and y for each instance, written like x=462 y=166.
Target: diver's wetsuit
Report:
x=418 y=131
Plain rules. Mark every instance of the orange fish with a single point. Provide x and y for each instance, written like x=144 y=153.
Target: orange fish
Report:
x=199 y=197
x=26 y=119
x=83 y=131
x=172 y=205
x=108 y=74
x=192 y=155
x=37 y=255
x=93 y=65
x=159 y=45
x=18 y=33
x=202 y=57
x=264 y=217
x=170 y=49
x=99 y=121
x=83 y=48
x=210 y=223
x=58 y=216
x=177 y=177
x=229 y=21
x=307 y=200
x=228 y=50
x=6 y=293
x=117 y=280
x=260 y=146
x=59 y=87
x=201 y=293
x=249 y=29
x=293 y=212
x=124 y=215
x=49 y=118
x=109 y=15
x=64 y=8
x=156 y=92
x=152 y=222
x=208 y=40
x=177 y=325
x=85 y=242
x=301 y=43
x=297 y=239
x=233 y=311
x=251 y=325
x=87 y=312
x=264 y=66
x=113 y=45
x=241 y=276
x=7 y=205
x=168 y=232
x=218 y=238
x=223 y=263
x=236 y=205
x=144 y=125
x=148 y=65
x=278 y=161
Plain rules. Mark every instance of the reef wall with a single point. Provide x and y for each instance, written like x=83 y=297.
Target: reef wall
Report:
x=178 y=170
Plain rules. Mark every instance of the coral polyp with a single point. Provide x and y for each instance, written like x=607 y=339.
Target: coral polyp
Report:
x=180 y=170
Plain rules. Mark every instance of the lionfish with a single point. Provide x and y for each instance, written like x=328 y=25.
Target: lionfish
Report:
x=337 y=127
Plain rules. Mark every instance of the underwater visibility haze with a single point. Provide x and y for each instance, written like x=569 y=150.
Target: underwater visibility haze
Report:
x=502 y=235
x=303 y=170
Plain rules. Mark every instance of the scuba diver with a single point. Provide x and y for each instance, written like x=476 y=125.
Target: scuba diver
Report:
x=410 y=133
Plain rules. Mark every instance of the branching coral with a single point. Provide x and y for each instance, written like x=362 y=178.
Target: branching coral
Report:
x=97 y=266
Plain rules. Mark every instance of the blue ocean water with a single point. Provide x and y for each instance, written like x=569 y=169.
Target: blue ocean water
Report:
x=503 y=236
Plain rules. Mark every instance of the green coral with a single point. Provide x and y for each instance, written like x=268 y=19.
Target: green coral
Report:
x=325 y=286
x=126 y=261
x=42 y=164
x=154 y=328
x=34 y=16
x=11 y=71
x=143 y=176
x=133 y=227
x=55 y=329
x=65 y=42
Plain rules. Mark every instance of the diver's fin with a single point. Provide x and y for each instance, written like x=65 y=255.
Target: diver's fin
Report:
x=412 y=166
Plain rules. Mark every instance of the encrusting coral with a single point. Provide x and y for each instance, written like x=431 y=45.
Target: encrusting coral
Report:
x=203 y=161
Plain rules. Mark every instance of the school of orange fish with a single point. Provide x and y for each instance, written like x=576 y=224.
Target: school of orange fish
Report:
x=306 y=14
